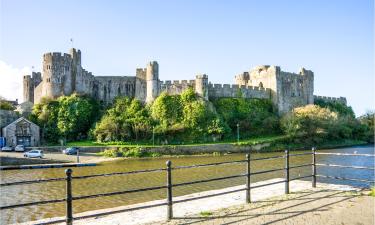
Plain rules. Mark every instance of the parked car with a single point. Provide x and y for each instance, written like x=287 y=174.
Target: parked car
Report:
x=34 y=154
x=19 y=148
x=6 y=149
x=71 y=151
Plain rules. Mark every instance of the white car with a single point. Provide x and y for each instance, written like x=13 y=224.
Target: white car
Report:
x=6 y=149
x=34 y=154
x=19 y=148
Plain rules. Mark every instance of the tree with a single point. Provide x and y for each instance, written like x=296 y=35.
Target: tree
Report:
x=45 y=114
x=75 y=116
x=310 y=123
x=127 y=119
x=5 y=105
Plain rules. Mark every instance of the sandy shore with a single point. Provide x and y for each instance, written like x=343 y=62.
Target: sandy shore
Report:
x=304 y=206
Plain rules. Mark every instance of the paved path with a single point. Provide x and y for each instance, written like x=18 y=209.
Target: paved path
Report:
x=326 y=204
x=320 y=206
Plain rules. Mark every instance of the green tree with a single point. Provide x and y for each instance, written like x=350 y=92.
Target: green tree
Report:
x=45 y=114
x=75 y=116
x=310 y=124
x=127 y=119
x=4 y=105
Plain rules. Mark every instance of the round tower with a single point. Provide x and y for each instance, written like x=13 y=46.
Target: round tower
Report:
x=152 y=79
x=201 y=83
x=28 y=89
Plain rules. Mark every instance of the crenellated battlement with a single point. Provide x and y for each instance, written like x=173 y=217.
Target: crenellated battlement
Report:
x=330 y=99
x=234 y=90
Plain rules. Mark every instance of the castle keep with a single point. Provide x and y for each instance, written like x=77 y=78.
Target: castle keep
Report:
x=62 y=74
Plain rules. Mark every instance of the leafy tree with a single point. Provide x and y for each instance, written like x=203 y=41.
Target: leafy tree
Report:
x=167 y=109
x=75 y=116
x=310 y=123
x=45 y=114
x=254 y=116
x=6 y=105
x=126 y=119
x=338 y=107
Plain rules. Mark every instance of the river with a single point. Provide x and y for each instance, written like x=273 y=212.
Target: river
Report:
x=56 y=190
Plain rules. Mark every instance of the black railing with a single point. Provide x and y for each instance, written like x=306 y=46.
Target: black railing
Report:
x=169 y=184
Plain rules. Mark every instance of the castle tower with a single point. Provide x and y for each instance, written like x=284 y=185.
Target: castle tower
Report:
x=57 y=78
x=308 y=85
x=28 y=89
x=201 y=83
x=152 y=81
x=242 y=78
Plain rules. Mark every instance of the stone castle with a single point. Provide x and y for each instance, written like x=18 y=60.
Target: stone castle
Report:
x=63 y=74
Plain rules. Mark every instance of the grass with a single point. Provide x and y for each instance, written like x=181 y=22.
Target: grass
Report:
x=205 y=213
x=372 y=192
x=249 y=141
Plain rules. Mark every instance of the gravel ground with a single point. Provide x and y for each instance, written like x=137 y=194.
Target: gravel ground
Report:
x=16 y=158
x=322 y=206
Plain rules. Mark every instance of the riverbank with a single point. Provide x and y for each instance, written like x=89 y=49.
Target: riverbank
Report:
x=96 y=154
x=269 y=204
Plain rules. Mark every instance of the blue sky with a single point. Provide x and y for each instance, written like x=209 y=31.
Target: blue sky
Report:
x=221 y=38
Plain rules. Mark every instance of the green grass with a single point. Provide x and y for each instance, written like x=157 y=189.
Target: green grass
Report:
x=249 y=141
x=205 y=213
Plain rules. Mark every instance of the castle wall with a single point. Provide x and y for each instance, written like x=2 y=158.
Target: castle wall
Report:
x=176 y=87
x=341 y=100
x=108 y=88
x=235 y=91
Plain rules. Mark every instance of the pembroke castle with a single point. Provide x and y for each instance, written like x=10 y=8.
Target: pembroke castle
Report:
x=62 y=74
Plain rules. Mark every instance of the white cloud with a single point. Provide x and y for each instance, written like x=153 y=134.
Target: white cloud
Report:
x=11 y=81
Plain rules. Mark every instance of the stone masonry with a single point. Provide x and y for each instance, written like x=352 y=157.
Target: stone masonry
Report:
x=62 y=74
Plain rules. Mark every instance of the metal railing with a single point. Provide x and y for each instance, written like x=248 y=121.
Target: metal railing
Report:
x=69 y=199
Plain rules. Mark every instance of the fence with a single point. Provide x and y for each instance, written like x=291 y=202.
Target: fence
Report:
x=169 y=184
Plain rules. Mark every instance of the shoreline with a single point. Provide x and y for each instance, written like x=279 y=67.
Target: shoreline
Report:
x=17 y=159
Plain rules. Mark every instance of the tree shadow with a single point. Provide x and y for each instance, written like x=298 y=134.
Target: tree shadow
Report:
x=304 y=198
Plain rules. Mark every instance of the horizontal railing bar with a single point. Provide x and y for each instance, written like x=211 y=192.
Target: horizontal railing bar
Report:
x=297 y=178
x=344 y=154
x=300 y=154
x=117 y=193
x=118 y=173
x=207 y=196
x=341 y=166
x=80 y=177
x=266 y=171
x=209 y=164
x=208 y=180
x=32 y=181
x=31 y=203
x=119 y=211
x=344 y=178
x=298 y=166
x=266 y=158
x=263 y=185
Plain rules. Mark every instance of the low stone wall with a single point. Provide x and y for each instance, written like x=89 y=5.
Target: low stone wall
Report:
x=173 y=150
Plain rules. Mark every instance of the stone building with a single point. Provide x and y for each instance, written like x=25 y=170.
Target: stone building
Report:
x=63 y=74
x=21 y=132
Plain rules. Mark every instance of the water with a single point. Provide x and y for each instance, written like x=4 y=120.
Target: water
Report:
x=56 y=190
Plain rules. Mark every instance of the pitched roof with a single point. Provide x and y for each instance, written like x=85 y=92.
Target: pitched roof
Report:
x=19 y=120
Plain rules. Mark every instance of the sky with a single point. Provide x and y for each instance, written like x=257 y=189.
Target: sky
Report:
x=220 y=38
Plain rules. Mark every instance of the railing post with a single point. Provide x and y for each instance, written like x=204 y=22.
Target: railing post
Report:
x=69 y=210
x=287 y=171
x=169 y=190
x=248 y=174
x=313 y=168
